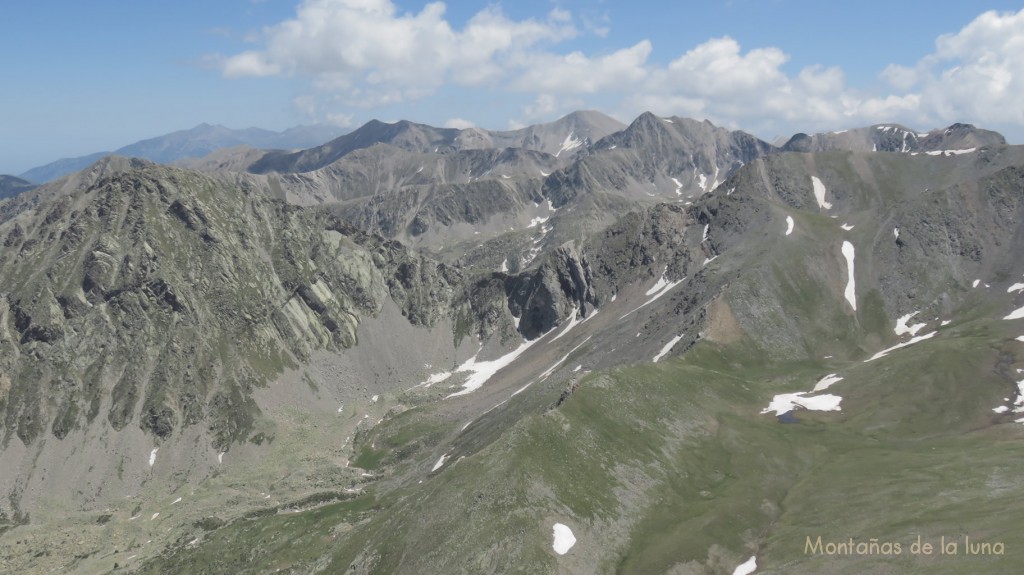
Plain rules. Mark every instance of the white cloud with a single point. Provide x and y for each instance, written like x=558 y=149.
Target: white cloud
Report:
x=576 y=73
x=378 y=55
x=458 y=124
x=369 y=53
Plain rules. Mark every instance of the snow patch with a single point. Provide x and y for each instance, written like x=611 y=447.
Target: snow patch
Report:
x=751 y=564
x=709 y=260
x=577 y=368
x=436 y=378
x=155 y=515
x=901 y=325
x=570 y=143
x=789 y=225
x=1017 y=314
x=826 y=382
x=374 y=399
x=1020 y=338
x=563 y=539
x=535 y=221
x=704 y=238
x=850 y=292
x=152 y=456
x=440 y=463
x=975 y=283
x=614 y=296
x=552 y=369
x=896 y=233
x=660 y=288
x=786 y=402
x=950 y=152
x=819 y=193
x=1001 y=409
x=481 y=371
x=911 y=341
x=220 y=457
x=658 y=285
x=667 y=348
x=846 y=227
x=178 y=500
x=1015 y=287
x=504 y=266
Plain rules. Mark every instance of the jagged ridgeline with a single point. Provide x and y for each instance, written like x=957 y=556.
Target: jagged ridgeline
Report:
x=160 y=298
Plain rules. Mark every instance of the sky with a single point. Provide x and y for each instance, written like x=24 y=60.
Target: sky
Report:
x=84 y=77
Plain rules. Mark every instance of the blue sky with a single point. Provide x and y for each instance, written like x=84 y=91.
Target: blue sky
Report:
x=82 y=77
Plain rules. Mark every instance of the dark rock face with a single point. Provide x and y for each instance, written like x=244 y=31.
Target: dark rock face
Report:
x=542 y=298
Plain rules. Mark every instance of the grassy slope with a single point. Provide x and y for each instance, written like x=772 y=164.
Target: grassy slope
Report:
x=670 y=467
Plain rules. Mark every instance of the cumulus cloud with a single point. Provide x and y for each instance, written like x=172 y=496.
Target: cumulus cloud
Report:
x=376 y=54
x=458 y=124
x=369 y=53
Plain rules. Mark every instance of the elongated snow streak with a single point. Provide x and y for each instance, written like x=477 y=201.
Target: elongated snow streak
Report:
x=563 y=539
x=901 y=325
x=440 y=463
x=846 y=227
x=552 y=369
x=826 y=382
x=709 y=260
x=152 y=456
x=896 y=233
x=746 y=568
x=819 y=193
x=911 y=341
x=975 y=283
x=851 y=294
x=1017 y=314
x=667 y=287
x=789 y=225
x=1015 y=287
x=573 y=322
x=667 y=348
x=1020 y=338
x=704 y=238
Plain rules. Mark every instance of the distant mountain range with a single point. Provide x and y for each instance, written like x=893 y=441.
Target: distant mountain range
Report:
x=194 y=143
x=11 y=186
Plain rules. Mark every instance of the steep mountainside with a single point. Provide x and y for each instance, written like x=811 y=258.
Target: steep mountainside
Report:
x=680 y=350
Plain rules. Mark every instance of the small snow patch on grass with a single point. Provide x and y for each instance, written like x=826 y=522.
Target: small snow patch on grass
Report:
x=789 y=225
x=826 y=382
x=746 y=568
x=1016 y=314
x=667 y=348
x=563 y=539
x=152 y=456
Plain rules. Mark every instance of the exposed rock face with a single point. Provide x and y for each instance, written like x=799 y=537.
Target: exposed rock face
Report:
x=162 y=298
x=562 y=285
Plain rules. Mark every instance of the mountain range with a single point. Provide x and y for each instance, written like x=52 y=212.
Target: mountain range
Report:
x=196 y=142
x=580 y=347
